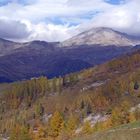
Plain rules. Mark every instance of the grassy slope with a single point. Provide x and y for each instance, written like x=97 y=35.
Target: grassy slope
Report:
x=123 y=132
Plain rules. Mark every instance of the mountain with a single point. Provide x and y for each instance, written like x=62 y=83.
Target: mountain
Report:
x=19 y=61
x=7 y=46
x=102 y=36
x=37 y=58
x=34 y=60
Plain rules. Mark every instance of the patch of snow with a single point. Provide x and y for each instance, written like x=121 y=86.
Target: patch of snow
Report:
x=78 y=130
x=134 y=108
x=101 y=36
x=93 y=119
x=46 y=117
x=5 y=138
x=93 y=85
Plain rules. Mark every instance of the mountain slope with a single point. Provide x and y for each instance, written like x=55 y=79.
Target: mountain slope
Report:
x=111 y=88
x=129 y=132
x=102 y=36
x=35 y=60
x=7 y=46
x=20 y=61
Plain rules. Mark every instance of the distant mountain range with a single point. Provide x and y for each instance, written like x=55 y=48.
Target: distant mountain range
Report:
x=20 y=61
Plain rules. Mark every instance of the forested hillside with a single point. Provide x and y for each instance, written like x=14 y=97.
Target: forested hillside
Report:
x=66 y=107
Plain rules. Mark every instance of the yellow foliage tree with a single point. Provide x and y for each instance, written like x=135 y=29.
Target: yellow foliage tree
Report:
x=131 y=117
x=56 y=125
x=116 y=116
x=20 y=133
x=71 y=125
x=107 y=124
x=87 y=128
x=41 y=134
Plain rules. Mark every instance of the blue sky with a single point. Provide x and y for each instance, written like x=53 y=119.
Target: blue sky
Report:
x=115 y=2
x=57 y=20
x=25 y=2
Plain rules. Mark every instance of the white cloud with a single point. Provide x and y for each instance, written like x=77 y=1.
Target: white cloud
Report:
x=12 y=29
x=51 y=32
x=42 y=19
x=124 y=18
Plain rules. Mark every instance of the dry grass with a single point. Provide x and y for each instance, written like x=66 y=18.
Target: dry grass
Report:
x=124 y=132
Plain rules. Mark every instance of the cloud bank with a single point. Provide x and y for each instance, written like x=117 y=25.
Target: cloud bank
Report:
x=58 y=20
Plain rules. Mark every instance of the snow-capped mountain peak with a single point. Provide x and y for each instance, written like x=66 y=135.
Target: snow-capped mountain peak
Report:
x=102 y=36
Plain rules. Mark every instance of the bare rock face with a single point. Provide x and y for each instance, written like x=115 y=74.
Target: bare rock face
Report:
x=102 y=36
